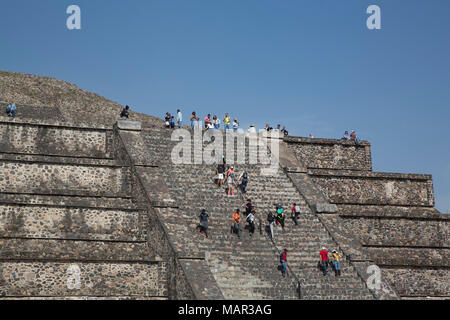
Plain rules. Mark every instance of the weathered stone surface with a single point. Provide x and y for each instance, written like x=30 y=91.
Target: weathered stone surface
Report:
x=62 y=179
x=331 y=153
x=96 y=279
x=54 y=140
x=129 y=125
x=351 y=187
x=20 y=221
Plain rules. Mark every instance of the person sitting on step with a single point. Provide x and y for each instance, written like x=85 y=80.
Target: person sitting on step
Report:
x=125 y=113
x=11 y=110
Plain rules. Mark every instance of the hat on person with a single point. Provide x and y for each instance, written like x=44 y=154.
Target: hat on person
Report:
x=323 y=248
x=334 y=251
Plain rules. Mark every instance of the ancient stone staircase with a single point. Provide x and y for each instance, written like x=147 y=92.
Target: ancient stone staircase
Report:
x=193 y=189
x=244 y=268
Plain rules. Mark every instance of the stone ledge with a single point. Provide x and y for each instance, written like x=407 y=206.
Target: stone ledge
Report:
x=56 y=124
x=368 y=174
x=295 y=169
x=410 y=257
x=305 y=140
x=324 y=208
x=56 y=159
x=396 y=215
x=129 y=125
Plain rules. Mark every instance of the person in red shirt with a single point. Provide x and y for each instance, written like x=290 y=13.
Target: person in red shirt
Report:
x=283 y=260
x=324 y=260
x=295 y=212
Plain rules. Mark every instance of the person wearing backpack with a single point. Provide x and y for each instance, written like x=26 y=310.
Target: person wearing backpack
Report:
x=248 y=207
x=204 y=218
x=251 y=222
x=244 y=181
x=237 y=223
x=271 y=220
x=280 y=216
x=295 y=212
x=283 y=260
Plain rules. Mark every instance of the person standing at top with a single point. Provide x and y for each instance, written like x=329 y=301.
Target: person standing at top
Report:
x=194 y=121
x=235 y=125
x=284 y=131
x=346 y=136
x=125 y=113
x=207 y=121
x=227 y=122
x=179 y=118
x=252 y=129
x=216 y=122
x=353 y=137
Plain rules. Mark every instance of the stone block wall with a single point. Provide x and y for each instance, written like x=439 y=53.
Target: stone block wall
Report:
x=45 y=178
x=331 y=153
x=399 y=231
x=350 y=187
x=39 y=139
x=24 y=221
x=419 y=282
x=95 y=279
x=65 y=202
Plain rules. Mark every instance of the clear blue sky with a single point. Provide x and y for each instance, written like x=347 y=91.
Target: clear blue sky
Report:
x=310 y=65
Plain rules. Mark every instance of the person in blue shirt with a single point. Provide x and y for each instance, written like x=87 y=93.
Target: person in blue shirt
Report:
x=11 y=110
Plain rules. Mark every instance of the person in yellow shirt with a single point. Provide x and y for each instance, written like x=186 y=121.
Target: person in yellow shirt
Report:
x=227 y=122
x=337 y=262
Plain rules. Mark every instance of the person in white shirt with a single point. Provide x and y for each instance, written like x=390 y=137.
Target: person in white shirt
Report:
x=235 y=125
x=252 y=129
x=216 y=123
x=251 y=222
x=179 y=118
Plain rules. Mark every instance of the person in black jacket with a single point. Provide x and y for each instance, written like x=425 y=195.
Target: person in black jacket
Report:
x=125 y=113
x=271 y=220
